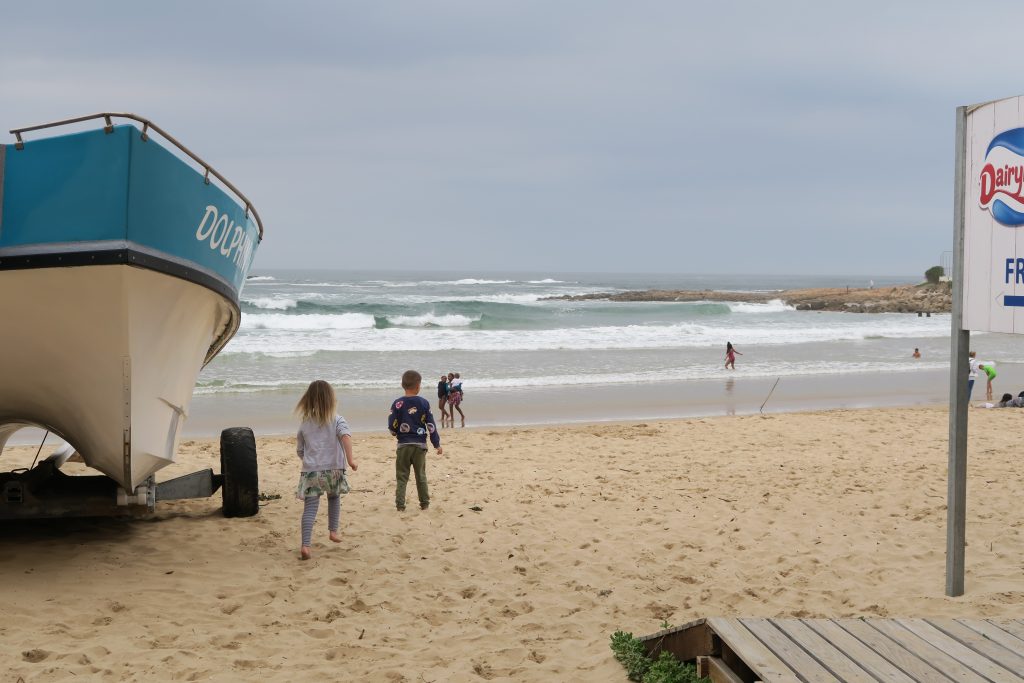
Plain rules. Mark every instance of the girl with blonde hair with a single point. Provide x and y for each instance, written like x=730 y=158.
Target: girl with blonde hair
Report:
x=324 y=444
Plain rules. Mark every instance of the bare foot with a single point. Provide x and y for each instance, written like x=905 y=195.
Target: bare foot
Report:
x=305 y=553
x=335 y=537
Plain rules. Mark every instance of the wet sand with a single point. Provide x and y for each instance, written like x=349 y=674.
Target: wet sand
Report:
x=366 y=410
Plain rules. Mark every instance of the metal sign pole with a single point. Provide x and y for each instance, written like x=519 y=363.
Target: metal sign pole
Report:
x=960 y=340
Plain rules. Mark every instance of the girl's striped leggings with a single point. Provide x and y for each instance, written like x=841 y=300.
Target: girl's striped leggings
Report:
x=312 y=504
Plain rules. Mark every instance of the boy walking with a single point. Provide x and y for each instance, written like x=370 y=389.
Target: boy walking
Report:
x=411 y=423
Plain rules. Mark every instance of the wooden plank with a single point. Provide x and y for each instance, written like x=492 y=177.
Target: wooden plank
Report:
x=674 y=629
x=686 y=642
x=990 y=641
x=1015 y=628
x=955 y=644
x=803 y=665
x=878 y=666
x=929 y=649
x=715 y=669
x=905 y=661
x=832 y=658
x=752 y=651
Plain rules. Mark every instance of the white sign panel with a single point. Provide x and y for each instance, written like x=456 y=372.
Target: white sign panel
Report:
x=993 y=277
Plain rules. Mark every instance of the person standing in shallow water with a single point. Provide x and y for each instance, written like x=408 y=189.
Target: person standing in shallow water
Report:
x=455 y=399
x=730 y=356
x=442 y=398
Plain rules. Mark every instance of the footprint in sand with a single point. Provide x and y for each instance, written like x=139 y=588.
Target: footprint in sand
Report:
x=359 y=606
x=483 y=670
x=319 y=633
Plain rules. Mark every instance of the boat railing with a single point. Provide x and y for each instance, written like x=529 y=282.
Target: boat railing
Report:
x=147 y=125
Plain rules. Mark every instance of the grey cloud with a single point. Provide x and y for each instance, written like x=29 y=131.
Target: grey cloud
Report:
x=764 y=137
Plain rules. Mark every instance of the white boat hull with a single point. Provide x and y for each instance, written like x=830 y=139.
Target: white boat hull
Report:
x=106 y=357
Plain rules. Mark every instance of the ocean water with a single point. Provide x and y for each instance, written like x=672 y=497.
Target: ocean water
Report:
x=527 y=359
x=360 y=330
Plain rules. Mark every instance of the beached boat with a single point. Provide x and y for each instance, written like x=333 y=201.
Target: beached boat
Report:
x=121 y=264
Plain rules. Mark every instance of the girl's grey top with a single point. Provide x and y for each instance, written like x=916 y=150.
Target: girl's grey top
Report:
x=319 y=446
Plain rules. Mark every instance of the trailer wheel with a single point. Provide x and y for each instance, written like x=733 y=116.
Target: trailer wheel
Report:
x=241 y=486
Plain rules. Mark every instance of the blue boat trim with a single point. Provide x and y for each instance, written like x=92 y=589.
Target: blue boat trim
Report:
x=1013 y=300
x=129 y=254
x=96 y=186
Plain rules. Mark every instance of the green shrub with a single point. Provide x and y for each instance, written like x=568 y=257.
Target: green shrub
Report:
x=933 y=274
x=668 y=669
x=631 y=653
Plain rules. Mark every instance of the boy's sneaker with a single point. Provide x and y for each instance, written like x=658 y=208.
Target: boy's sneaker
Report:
x=400 y=508
x=424 y=506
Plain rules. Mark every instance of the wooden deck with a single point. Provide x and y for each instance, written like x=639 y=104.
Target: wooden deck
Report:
x=857 y=650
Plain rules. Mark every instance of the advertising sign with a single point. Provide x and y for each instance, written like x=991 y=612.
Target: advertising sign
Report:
x=993 y=265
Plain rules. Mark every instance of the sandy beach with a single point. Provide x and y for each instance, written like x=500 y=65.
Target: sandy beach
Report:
x=581 y=530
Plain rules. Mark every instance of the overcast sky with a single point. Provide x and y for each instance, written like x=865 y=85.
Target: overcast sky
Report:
x=713 y=137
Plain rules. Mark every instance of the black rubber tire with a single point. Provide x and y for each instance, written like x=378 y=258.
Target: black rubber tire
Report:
x=240 y=489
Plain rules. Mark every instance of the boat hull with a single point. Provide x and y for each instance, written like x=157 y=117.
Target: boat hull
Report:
x=106 y=357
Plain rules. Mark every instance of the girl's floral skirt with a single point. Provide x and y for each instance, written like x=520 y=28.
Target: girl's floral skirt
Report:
x=325 y=482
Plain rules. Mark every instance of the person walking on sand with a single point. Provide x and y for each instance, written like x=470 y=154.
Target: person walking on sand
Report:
x=324 y=444
x=990 y=373
x=442 y=398
x=455 y=399
x=411 y=423
x=730 y=356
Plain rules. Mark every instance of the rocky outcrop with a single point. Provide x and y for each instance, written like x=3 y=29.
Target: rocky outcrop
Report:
x=901 y=299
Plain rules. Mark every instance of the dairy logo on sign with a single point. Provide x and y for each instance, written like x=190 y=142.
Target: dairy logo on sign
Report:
x=1002 y=178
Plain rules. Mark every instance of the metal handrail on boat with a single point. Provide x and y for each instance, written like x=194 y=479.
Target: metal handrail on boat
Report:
x=146 y=126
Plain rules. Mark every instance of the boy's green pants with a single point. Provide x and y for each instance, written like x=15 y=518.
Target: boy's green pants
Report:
x=416 y=457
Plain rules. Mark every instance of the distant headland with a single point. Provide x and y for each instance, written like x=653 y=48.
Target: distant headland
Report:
x=924 y=298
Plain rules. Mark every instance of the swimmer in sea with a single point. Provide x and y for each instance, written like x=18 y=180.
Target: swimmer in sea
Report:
x=730 y=356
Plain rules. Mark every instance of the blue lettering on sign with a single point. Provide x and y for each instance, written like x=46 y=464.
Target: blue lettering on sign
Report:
x=1014 y=268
